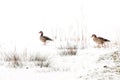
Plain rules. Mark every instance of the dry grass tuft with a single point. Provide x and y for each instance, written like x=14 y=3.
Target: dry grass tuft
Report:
x=14 y=60
x=68 y=50
x=39 y=60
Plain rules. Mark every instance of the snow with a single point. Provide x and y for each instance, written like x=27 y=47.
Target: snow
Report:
x=87 y=64
x=22 y=20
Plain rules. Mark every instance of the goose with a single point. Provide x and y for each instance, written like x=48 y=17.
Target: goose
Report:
x=99 y=40
x=44 y=38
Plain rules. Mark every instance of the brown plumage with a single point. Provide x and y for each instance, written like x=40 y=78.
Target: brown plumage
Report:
x=44 y=38
x=99 y=40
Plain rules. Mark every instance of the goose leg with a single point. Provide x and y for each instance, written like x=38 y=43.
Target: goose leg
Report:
x=44 y=43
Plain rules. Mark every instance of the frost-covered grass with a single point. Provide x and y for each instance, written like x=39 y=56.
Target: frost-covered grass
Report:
x=86 y=64
x=106 y=67
x=68 y=49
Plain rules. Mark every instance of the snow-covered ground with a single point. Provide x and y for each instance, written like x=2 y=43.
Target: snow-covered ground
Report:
x=87 y=64
x=23 y=57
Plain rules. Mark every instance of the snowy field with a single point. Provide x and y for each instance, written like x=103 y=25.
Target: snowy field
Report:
x=24 y=57
x=50 y=64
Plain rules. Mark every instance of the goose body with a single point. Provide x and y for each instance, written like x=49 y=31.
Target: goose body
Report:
x=44 y=38
x=99 y=40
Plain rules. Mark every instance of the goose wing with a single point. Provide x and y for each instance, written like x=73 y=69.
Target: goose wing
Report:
x=47 y=38
x=103 y=39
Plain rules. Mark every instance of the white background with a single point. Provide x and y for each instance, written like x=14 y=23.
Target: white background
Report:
x=21 y=20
